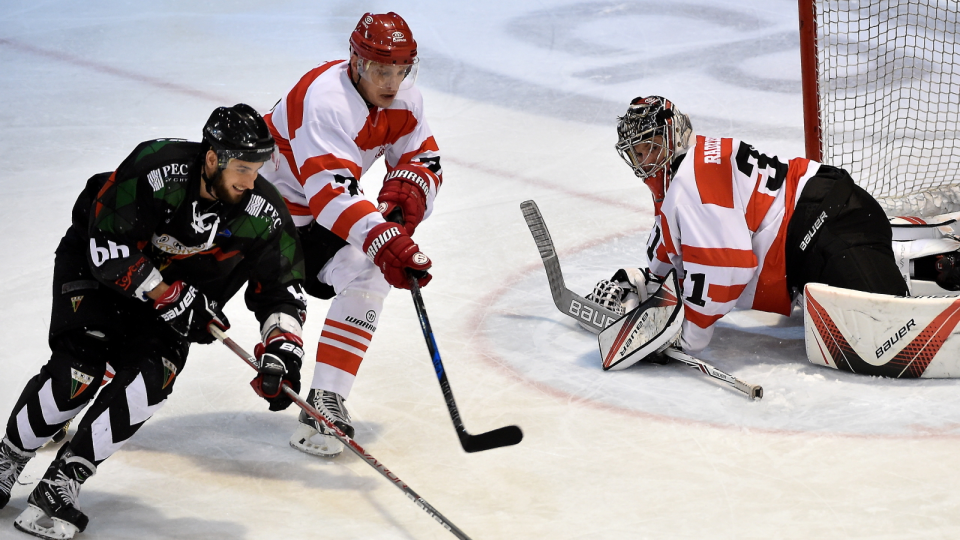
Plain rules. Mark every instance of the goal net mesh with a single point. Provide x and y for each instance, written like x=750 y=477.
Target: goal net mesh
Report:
x=889 y=95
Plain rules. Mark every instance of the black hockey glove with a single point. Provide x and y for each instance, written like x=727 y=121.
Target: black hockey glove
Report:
x=190 y=312
x=278 y=362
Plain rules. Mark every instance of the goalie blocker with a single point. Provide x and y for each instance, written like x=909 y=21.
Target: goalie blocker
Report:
x=877 y=334
x=646 y=330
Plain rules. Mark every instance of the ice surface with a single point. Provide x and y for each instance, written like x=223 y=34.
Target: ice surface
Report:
x=522 y=97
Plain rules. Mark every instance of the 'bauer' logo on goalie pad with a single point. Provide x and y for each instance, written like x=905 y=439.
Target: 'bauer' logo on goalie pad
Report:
x=648 y=329
x=878 y=334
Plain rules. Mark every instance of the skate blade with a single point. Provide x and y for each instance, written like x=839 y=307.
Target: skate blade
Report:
x=309 y=441
x=34 y=521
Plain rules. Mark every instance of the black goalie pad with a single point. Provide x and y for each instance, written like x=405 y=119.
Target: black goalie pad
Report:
x=646 y=330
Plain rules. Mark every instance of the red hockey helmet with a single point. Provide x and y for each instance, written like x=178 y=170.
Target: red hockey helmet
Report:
x=384 y=38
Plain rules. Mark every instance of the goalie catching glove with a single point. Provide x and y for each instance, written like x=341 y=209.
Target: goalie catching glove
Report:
x=405 y=188
x=190 y=312
x=624 y=291
x=395 y=253
x=278 y=361
x=649 y=328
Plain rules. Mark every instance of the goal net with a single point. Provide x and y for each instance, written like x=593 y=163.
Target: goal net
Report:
x=882 y=97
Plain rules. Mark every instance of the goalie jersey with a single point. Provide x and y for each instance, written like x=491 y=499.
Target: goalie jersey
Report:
x=723 y=226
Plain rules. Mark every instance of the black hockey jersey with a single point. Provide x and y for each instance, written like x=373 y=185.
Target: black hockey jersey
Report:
x=146 y=221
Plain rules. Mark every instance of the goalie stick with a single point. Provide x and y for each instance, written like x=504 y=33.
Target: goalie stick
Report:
x=346 y=440
x=596 y=317
x=505 y=436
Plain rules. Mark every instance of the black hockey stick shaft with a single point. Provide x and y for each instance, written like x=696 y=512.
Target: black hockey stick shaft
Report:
x=597 y=317
x=505 y=436
x=346 y=440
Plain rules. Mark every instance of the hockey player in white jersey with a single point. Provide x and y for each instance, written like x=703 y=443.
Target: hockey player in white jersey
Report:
x=745 y=229
x=331 y=127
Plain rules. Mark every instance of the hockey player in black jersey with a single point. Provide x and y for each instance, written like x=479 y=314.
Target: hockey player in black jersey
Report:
x=154 y=250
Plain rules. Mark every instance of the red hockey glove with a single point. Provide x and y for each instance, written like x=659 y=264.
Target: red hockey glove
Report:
x=406 y=188
x=190 y=312
x=395 y=253
x=278 y=362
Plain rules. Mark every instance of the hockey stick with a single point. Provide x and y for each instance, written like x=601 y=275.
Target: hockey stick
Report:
x=597 y=317
x=753 y=391
x=505 y=436
x=347 y=441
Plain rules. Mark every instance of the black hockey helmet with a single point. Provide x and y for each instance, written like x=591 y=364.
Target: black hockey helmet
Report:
x=238 y=132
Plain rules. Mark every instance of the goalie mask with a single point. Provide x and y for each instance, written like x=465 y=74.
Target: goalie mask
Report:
x=651 y=135
x=645 y=331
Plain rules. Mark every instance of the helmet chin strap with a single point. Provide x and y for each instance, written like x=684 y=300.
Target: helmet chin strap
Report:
x=208 y=182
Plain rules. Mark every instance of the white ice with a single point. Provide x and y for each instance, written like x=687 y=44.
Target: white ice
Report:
x=523 y=99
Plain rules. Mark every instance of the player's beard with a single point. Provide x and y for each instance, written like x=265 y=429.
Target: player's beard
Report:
x=217 y=188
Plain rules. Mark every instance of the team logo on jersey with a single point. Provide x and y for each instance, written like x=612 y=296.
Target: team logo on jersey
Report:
x=169 y=372
x=200 y=221
x=79 y=382
x=75 y=302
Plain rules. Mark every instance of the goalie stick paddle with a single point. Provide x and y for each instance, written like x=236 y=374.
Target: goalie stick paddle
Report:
x=597 y=317
x=346 y=440
x=505 y=436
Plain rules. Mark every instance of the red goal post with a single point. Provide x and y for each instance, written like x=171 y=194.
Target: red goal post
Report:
x=881 y=97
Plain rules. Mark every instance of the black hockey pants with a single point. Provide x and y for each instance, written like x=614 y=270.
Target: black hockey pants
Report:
x=840 y=236
x=319 y=246
x=91 y=326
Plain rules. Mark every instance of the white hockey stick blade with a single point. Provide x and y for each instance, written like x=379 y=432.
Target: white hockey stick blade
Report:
x=594 y=317
x=879 y=334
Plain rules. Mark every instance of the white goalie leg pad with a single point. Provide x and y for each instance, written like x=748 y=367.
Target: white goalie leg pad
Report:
x=646 y=330
x=34 y=521
x=879 y=334
x=916 y=228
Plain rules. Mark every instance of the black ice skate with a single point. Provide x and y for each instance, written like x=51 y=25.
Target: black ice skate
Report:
x=313 y=437
x=53 y=511
x=12 y=462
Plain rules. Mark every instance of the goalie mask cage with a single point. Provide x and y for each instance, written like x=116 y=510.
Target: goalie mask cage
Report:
x=881 y=97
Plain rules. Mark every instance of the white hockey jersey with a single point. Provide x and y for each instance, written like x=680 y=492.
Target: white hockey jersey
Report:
x=327 y=138
x=723 y=226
